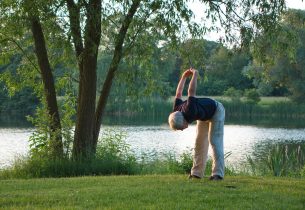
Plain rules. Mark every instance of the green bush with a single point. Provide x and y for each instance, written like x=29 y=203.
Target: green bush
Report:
x=252 y=96
x=186 y=161
x=113 y=156
x=264 y=89
x=116 y=153
x=161 y=163
x=234 y=94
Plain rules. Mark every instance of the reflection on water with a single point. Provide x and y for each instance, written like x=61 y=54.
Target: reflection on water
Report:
x=238 y=139
x=13 y=143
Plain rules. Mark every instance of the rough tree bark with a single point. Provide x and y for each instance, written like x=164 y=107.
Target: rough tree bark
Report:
x=83 y=146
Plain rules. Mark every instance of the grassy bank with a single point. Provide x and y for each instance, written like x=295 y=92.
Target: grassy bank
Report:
x=152 y=192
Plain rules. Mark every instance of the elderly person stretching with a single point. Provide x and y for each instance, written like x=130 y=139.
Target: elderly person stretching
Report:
x=210 y=115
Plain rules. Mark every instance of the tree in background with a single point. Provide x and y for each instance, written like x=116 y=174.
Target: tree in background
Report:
x=225 y=69
x=252 y=96
x=20 y=103
x=279 y=59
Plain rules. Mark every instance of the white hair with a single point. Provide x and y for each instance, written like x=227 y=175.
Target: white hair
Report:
x=176 y=120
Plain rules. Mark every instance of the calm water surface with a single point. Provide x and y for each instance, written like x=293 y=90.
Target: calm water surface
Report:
x=238 y=139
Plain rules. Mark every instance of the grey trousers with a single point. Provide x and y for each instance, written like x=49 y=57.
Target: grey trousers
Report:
x=210 y=132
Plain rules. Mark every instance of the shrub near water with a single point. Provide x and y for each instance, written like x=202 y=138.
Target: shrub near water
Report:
x=113 y=157
x=281 y=159
x=252 y=96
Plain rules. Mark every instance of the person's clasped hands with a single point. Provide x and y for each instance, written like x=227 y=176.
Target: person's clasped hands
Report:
x=189 y=72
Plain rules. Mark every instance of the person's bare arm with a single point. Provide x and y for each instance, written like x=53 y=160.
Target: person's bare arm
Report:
x=181 y=83
x=193 y=83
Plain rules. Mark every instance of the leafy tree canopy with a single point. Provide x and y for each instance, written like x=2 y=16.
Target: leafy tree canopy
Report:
x=279 y=60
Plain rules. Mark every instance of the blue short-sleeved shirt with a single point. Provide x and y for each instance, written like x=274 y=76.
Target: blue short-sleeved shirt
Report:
x=195 y=108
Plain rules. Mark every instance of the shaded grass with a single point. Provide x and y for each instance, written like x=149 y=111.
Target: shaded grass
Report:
x=152 y=192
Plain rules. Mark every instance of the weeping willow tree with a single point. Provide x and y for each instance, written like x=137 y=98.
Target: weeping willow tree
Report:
x=67 y=34
x=279 y=60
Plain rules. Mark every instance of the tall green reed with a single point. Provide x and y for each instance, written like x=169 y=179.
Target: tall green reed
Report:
x=277 y=159
x=155 y=111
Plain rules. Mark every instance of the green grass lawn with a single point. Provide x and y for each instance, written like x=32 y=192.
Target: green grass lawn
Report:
x=152 y=192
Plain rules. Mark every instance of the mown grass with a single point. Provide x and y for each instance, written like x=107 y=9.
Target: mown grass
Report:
x=152 y=192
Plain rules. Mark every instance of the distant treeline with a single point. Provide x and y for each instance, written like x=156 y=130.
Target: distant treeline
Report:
x=22 y=103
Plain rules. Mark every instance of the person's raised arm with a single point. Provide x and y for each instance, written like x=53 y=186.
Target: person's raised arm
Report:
x=181 y=83
x=193 y=83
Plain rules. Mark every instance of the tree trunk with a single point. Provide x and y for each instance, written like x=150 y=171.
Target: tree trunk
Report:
x=83 y=137
x=83 y=146
x=112 y=69
x=49 y=88
x=88 y=119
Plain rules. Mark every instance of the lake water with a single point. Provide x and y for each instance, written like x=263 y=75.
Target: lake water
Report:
x=238 y=139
